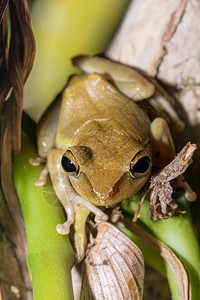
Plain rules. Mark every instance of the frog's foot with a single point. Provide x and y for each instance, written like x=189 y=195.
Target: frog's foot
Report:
x=163 y=150
x=43 y=175
x=74 y=205
x=42 y=178
x=77 y=211
x=65 y=227
x=190 y=195
x=37 y=161
x=83 y=209
x=100 y=216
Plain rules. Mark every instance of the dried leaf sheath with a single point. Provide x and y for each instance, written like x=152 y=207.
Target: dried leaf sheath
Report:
x=15 y=66
x=3 y=5
x=19 y=62
x=21 y=56
x=4 y=82
x=115 y=266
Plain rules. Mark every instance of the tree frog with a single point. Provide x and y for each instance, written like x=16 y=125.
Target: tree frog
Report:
x=99 y=143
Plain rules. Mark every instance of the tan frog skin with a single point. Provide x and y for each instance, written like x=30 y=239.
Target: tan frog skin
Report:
x=108 y=138
x=104 y=131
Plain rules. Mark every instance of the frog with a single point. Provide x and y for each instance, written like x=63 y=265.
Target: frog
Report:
x=98 y=143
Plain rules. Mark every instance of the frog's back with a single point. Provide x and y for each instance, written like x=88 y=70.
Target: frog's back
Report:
x=90 y=105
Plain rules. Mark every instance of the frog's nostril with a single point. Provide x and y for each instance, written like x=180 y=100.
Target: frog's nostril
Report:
x=102 y=198
x=104 y=201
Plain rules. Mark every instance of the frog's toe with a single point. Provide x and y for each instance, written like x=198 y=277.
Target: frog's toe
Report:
x=40 y=182
x=63 y=228
x=36 y=161
x=101 y=217
x=43 y=177
x=190 y=195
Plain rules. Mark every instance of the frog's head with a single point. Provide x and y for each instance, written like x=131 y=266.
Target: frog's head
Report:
x=107 y=179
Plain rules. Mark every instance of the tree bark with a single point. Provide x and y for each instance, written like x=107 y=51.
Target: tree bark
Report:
x=162 y=38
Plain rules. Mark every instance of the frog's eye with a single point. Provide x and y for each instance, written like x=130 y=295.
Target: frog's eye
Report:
x=69 y=163
x=140 y=164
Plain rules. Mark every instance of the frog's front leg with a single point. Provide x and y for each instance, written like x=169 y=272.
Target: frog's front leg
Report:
x=62 y=188
x=76 y=207
x=163 y=150
x=46 y=136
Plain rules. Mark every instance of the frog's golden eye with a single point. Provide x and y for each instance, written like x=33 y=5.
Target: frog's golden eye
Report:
x=69 y=163
x=140 y=164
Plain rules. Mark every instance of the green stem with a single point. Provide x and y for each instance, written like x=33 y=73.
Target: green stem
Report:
x=178 y=233
x=50 y=256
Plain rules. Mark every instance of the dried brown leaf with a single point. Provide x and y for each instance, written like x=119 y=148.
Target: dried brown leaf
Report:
x=18 y=64
x=162 y=205
x=86 y=293
x=177 y=166
x=167 y=253
x=115 y=265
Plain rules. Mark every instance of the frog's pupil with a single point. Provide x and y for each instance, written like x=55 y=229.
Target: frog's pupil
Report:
x=68 y=164
x=142 y=165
